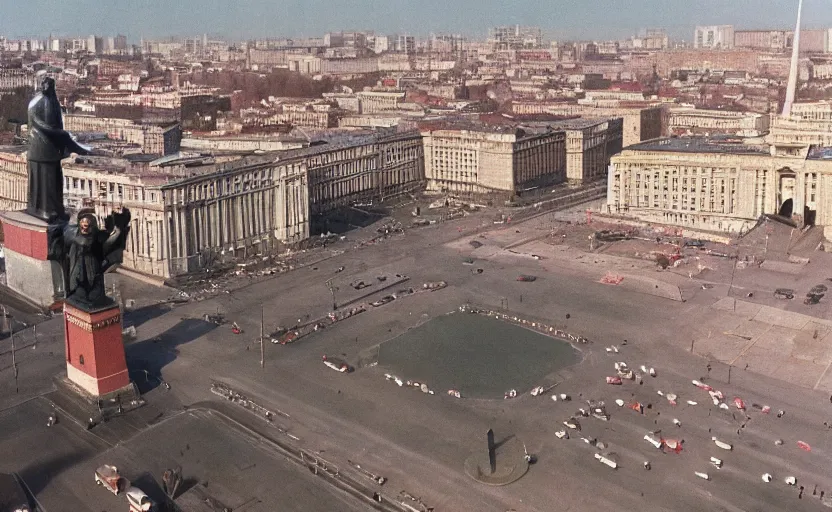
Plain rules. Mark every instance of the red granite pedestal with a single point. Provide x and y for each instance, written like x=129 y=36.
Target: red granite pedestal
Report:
x=95 y=359
x=28 y=273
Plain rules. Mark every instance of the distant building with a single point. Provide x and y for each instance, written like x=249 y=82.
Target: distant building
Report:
x=240 y=144
x=727 y=183
x=405 y=44
x=641 y=122
x=120 y=43
x=371 y=102
x=516 y=37
x=691 y=121
x=474 y=160
x=14 y=178
x=153 y=139
x=590 y=143
x=714 y=36
x=773 y=40
x=810 y=123
x=11 y=79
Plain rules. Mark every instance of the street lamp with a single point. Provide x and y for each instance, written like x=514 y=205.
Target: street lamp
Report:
x=332 y=290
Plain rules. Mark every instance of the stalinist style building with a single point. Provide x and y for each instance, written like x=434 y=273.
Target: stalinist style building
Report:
x=726 y=183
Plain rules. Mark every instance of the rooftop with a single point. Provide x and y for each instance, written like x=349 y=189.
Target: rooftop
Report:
x=14 y=149
x=701 y=145
x=577 y=123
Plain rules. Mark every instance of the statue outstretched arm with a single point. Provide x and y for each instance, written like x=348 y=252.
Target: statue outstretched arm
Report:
x=117 y=227
x=110 y=242
x=52 y=133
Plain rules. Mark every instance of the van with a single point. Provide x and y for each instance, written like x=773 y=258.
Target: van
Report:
x=138 y=500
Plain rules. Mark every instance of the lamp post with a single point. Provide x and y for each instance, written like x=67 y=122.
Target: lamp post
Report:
x=332 y=292
x=262 y=347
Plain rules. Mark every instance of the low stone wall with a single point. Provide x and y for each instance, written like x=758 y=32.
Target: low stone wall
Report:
x=542 y=328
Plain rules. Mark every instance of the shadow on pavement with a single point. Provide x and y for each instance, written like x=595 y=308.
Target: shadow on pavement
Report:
x=151 y=487
x=38 y=474
x=146 y=358
x=142 y=315
x=186 y=485
x=345 y=220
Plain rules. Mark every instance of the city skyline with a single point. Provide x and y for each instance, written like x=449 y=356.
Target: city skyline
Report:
x=306 y=18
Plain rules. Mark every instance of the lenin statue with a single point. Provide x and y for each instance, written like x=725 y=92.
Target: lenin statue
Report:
x=48 y=145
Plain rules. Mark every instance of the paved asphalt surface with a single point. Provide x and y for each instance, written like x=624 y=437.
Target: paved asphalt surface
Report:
x=418 y=441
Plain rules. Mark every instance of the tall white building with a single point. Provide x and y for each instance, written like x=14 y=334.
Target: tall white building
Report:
x=516 y=37
x=714 y=36
x=405 y=44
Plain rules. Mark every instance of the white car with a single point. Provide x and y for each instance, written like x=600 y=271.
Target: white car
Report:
x=339 y=365
x=138 y=500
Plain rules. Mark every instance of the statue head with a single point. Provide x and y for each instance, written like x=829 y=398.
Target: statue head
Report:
x=47 y=86
x=87 y=223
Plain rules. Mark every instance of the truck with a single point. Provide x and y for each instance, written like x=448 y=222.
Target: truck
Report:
x=108 y=477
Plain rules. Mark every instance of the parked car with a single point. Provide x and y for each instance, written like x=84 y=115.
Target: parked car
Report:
x=384 y=300
x=784 y=293
x=527 y=279
x=339 y=365
x=109 y=477
x=138 y=500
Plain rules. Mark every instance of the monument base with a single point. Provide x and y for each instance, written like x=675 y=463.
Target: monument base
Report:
x=511 y=464
x=95 y=359
x=28 y=272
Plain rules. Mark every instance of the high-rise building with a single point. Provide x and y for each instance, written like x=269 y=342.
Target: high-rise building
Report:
x=406 y=44
x=516 y=37
x=380 y=44
x=714 y=36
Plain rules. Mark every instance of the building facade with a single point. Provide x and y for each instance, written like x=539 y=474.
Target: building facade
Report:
x=14 y=178
x=772 y=40
x=809 y=124
x=702 y=184
x=691 y=121
x=473 y=160
x=714 y=36
x=153 y=139
x=245 y=208
x=192 y=218
x=363 y=171
x=590 y=143
x=372 y=102
x=639 y=123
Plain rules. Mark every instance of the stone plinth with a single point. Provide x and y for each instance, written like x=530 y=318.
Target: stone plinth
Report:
x=28 y=272
x=95 y=359
x=510 y=464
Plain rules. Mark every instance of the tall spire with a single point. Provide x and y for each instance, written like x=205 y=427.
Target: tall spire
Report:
x=793 y=71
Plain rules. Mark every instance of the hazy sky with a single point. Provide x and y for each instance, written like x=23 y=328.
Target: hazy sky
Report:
x=560 y=19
